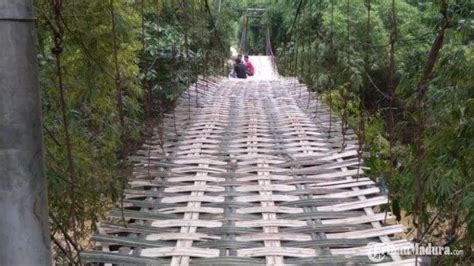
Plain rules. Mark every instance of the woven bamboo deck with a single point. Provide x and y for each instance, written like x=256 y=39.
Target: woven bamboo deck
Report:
x=249 y=174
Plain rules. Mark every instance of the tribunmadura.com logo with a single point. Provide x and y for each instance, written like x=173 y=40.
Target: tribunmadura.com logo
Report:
x=378 y=251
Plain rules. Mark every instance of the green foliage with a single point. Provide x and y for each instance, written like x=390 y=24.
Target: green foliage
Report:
x=178 y=47
x=334 y=46
x=182 y=40
x=78 y=198
x=327 y=49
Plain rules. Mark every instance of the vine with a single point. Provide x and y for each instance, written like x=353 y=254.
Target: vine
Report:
x=118 y=83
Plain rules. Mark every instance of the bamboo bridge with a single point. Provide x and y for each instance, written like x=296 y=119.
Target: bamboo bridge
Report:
x=249 y=172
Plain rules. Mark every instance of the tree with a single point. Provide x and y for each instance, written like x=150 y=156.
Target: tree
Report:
x=414 y=64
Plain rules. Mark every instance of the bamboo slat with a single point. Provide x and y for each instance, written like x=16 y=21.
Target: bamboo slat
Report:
x=250 y=175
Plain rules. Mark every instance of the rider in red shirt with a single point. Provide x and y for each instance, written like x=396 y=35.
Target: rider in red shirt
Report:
x=248 y=64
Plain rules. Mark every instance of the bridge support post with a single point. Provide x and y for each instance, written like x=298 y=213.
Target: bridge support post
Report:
x=24 y=229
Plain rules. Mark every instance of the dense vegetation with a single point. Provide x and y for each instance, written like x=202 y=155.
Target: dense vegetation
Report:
x=108 y=70
x=400 y=73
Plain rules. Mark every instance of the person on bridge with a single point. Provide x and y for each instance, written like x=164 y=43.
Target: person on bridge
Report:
x=249 y=65
x=240 y=70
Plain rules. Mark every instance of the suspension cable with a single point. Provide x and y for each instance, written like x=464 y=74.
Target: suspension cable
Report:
x=332 y=62
x=346 y=89
x=361 y=133
x=118 y=82
x=288 y=57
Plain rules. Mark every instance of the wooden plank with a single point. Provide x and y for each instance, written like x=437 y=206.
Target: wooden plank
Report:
x=132 y=228
x=183 y=236
x=314 y=149
x=130 y=214
x=196 y=140
x=349 y=185
x=129 y=241
x=360 y=219
x=179 y=199
x=192 y=209
x=227 y=244
x=204 y=188
x=98 y=256
x=365 y=250
x=278 y=223
x=336 y=174
x=340 y=182
x=258 y=169
x=191 y=178
x=408 y=262
x=330 y=243
x=180 y=223
x=266 y=198
x=322 y=228
x=374 y=232
x=264 y=177
x=198 y=160
x=274 y=209
x=194 y=169
x=276 y=251
x=254 y=157
x=274 y=236
x=200 y=146
x=272 y=187
x=261 y=160
x=355 y=205
x=349 y=194
x=173 y=251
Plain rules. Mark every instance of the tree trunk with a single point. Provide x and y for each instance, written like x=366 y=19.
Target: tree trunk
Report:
x=418 y=107
x=24 y=230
